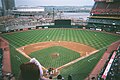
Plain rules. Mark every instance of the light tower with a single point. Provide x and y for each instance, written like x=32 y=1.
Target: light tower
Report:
x=53 y=14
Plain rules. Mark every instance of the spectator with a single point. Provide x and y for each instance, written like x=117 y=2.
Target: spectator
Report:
x=69 y=77
x=50 y=77
x=33 y=60
x=59 y=77
x=29 y=71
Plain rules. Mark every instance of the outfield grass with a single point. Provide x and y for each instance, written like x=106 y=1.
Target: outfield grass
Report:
x=82 y=36
x=80 y=69
x=65 y=56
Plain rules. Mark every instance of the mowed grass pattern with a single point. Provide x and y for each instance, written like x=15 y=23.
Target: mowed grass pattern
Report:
x=79 y=70
x=47 y=59
x=16 y=60
x=94 y=39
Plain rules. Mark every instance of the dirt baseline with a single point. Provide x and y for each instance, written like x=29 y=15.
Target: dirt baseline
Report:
x=80 y=48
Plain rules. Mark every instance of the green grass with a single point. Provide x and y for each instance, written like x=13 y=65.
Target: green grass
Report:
x=82 y=36
x=16 y=60
x=80 y=69
x=45 y=56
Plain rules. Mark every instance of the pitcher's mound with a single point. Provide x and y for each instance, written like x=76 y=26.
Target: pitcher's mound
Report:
x=55 y=55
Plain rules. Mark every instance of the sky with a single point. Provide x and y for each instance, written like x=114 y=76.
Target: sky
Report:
x=54 y=2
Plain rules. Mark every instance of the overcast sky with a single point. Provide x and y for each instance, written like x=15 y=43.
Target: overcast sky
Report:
x=54 y=2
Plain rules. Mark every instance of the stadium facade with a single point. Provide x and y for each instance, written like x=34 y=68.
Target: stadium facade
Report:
x=105 y=15
x=27 y=11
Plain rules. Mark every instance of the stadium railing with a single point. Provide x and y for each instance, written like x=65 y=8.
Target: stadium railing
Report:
x=114 y=70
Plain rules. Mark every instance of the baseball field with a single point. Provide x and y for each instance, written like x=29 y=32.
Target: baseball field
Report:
x=80 y=49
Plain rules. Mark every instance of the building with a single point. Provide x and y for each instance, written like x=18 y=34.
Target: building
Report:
x=28 y=11
x=7 y=5
x=0 y=11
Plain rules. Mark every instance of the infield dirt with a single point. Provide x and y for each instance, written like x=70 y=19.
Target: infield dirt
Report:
x=80 y=48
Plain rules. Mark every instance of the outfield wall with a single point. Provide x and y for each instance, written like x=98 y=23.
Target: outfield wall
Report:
x=22 y=28
x=60 y=26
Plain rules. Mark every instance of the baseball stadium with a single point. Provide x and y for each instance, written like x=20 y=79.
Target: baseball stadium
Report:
x=84 y=52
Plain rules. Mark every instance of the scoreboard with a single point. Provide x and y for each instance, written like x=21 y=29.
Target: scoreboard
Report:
x=63 y=22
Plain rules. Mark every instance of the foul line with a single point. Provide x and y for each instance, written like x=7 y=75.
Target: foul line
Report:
x=91 y=59
x=27 y=56
x=74 y=61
